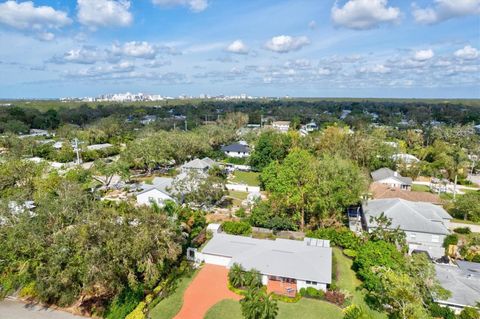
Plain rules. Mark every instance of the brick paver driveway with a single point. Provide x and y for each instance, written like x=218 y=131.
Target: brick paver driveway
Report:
x=206 y=289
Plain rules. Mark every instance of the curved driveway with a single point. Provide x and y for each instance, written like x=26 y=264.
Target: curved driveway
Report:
x=207 y=288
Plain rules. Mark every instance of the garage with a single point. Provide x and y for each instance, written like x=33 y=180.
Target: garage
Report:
x=217 y=260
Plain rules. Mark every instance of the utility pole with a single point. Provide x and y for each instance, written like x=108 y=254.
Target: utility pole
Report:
x=186 y=125
x=76 y=150
x=455 y=187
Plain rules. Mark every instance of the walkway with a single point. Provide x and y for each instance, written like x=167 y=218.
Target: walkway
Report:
x=208 y=288
x=13 y=309
x=474 y=228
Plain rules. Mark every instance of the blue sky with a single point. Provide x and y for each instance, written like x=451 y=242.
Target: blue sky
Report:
x=321 y=48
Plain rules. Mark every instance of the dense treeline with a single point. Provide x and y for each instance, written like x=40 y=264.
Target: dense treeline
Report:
x=20 y=118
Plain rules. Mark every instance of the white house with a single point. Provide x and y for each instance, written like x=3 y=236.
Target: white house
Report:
x=286 y=265
x=425 y=224
x=239 y=150
x=391 y=178
x=96 y=147
x=199 y=165
x=158 y=192
x=281 y=126
x=405 y=158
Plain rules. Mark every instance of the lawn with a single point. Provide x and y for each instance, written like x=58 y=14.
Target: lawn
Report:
x=237 y=197
x=249 y=178
x=347 y=280
x=420 y=188
x=170 y=306
x=305 y=309
x=225 y=309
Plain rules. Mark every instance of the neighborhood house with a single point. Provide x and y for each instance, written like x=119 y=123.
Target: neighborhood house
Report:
x=281 y=126
x=239 y=149
x=391 y=178
x=425 y=224
x=286 y=265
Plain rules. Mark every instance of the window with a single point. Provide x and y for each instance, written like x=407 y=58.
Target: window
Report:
x=309 y=282
x=151 y=199
x=435 y=239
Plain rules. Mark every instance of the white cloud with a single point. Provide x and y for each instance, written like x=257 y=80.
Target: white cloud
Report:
x=194 y=5
x=85 y=55
x=25 y=16
x=237 y=47
x=135 y=50
x=324 y=71
x=104 y=13
x=445 y=9
x=377 y=69
x=423 y=55
x=467 y=53
x=364 y=14
x=286 y=43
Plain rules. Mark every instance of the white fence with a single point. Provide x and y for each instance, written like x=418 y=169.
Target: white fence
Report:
x=243 y=188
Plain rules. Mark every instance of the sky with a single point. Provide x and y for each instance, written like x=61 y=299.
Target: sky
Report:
x=302 y=48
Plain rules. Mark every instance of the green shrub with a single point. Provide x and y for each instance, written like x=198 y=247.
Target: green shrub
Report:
x=137 y=313
x=462 y=230
x=355 y=312
x=237 y=228
x=450 y=240
x=124 y=303
x=350 y=253
x=311 y=292
x=469 y=313
x=342 y=237
x=28 y=291
x=240 y=213
x=287 y=299
x=438 y=311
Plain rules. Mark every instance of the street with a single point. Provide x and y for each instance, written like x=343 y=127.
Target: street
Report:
x=12 y=309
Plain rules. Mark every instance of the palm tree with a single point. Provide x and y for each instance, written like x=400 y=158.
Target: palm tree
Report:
x=258 y=304
x=236 y=276
x=252 y=278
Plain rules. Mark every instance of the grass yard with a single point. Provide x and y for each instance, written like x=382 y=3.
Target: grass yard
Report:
x=347 y=280
x=249 y=178
x=237 y=197
x=170 y=306
x=305 y=309
x=420 y=188
x=225 y=309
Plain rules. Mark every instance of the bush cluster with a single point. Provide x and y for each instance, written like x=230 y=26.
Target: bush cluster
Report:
x=311 y=292
x=462 y=230
x=237 y=228
x=342 y=237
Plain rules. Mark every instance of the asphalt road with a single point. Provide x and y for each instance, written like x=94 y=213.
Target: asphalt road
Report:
x=11 y=309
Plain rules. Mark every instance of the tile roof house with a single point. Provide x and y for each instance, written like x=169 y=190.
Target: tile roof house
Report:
x=425 y=224
x=382 y=191
x=463 y=281
x=286 y=265
x=239 y=149
x=391 y=178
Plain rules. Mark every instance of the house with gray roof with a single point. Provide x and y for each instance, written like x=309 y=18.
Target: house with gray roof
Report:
x=391 y=178
x=158 y=192
x=286 y=265
x=200 y=165
x=239 y=150
x=463 y=281
x=425 y=224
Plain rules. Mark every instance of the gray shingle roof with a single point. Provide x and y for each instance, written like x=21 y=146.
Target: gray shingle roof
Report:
x=409 y=216
x=384 y=173
x=464 y=285
x=236 y=147
x=200 y=164
x=280 y=257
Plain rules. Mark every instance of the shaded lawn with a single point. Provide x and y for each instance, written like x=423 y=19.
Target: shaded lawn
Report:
x=170 y=306
x=249 y=178
x=347 y=280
